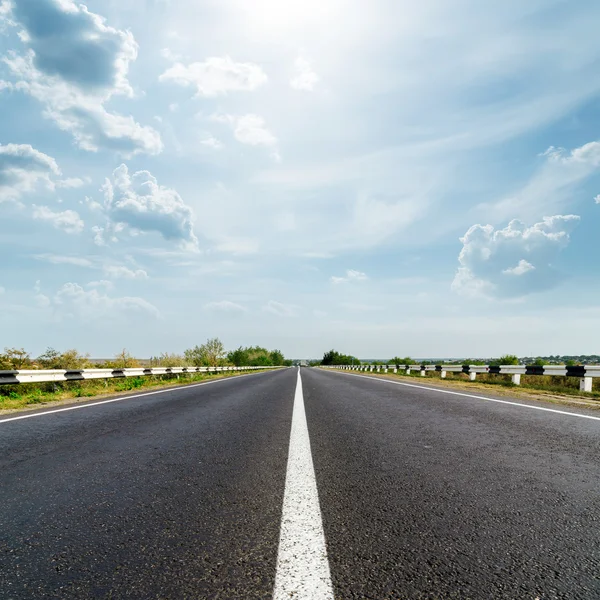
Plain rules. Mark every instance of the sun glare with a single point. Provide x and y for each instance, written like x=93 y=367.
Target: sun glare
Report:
x=280 y=15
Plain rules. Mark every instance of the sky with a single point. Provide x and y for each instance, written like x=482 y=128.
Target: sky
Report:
x=385 y=178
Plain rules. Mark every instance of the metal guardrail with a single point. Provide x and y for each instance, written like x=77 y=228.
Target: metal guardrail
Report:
x=41 y=376
x=585 y=373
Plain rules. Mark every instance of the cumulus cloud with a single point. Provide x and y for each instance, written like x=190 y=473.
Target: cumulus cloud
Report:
x=216 y=76
x=280 y=310
x=67 y=220
x=513 y=261
x=22 y=167
x=76 y=45
x=304 y=78
x=139 y=202
x=122 y=272
x=225 y=306
x=351 y=276
x=73 y=64
x=250 y=129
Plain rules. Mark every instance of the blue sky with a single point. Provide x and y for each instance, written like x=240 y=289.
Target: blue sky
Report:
x=384 y=178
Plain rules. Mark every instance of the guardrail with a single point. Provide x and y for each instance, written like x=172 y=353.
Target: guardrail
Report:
x=40 y=376
x=585 y=373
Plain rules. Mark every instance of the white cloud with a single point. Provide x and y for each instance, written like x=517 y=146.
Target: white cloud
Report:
x=522 y=268
x=73 y=91
x=122 y=272
x=170 y=55
x=102 y=283
x=250 y=129
x=351 y=276
x=67 y=220
x=73 y=183
x=280 y=310
x=513 y=261
x=2 y=290
x=216 y=76
x=57 y=259
x=225 y=306
x=22 y=167
x=90 y=305
x=597 y=199
x=211 y=142
x=41 y=300
x=304 y=78
x=139 y=202
x=552 y=185
x=238 y=246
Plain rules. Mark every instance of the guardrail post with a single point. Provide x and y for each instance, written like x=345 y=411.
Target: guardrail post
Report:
x=395 y=369
x=423 y=373
x=385 y=370
x=408 y=370
x=585 y=384
x=443 y=374
x=516 y=378
x=472 y=376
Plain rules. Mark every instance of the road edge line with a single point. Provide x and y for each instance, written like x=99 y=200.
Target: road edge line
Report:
x=442 y=391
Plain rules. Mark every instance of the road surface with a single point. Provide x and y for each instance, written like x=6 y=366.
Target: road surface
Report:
x=341 y=487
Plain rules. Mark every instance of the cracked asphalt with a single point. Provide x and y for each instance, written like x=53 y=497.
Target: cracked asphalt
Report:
x=423 y=494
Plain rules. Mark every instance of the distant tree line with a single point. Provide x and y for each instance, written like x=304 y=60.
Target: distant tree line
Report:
x=210 y=354
x=332 y=357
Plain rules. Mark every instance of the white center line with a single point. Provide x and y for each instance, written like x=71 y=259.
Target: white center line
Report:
x=302 y=565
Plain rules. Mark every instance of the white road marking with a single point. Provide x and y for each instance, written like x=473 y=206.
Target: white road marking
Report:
x=78 y=406
x=302 y=565
x=441 y=391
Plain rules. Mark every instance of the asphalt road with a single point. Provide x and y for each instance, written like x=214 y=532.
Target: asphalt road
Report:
x=422 y=494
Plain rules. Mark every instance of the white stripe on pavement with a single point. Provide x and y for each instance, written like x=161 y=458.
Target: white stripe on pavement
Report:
x=302 y=565
x=442 y=391
x=121 y=399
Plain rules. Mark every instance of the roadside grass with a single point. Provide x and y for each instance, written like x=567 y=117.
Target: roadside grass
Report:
x=23 y=395
x=550 y=384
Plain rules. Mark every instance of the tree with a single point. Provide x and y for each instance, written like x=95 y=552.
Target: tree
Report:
x=50 y=359
x=209 y=354
x=335 y=358
x=277 y=358
x=506 y=359
x=239 y=357
x=14 y=359
x=68 y=360
x=123 y=360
